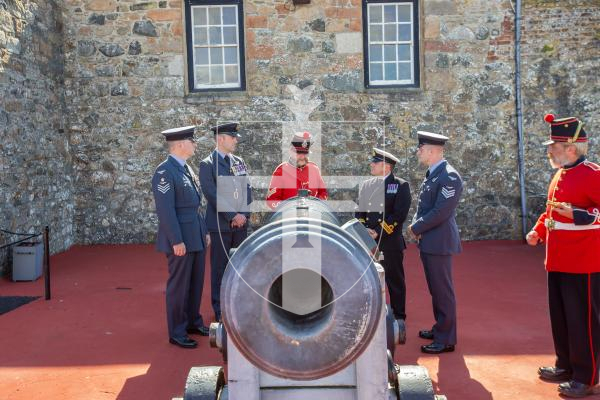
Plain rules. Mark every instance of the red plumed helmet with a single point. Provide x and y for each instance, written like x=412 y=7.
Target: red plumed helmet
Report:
x=549 y=118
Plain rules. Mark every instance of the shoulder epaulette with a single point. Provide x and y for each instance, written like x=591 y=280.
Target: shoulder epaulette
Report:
x=591 y=165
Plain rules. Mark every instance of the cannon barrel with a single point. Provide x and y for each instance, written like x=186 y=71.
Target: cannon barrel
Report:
x=301 y=297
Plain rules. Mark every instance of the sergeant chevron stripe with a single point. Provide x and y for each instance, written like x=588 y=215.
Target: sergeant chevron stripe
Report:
x=447 y=193
x=163 y=187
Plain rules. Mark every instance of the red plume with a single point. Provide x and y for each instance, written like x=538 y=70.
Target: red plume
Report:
x=549 y=118
x=306 y=135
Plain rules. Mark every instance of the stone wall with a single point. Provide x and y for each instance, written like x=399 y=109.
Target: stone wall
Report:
x=560 y=61
x=35 y=165
x=124 y=82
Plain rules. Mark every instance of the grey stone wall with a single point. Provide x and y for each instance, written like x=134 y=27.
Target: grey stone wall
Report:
x=561 y=57
x=119 y=100
x=124 y=82
x=35 y=162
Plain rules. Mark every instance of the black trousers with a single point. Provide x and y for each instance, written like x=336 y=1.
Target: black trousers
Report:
x=184 y=292
x=438 y=272
x=394 y=280
x=574 y=302
x=220 y=244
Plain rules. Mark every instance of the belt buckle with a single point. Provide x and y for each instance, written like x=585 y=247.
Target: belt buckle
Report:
x=550 y=224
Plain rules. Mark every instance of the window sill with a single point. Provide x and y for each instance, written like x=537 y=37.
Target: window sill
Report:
x=394 y=89
x=215 y=96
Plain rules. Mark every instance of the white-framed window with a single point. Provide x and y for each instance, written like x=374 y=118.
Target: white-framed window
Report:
x=215 y=45
x=391 y=43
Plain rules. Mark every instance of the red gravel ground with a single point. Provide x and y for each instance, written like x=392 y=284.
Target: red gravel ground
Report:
x=103 y=334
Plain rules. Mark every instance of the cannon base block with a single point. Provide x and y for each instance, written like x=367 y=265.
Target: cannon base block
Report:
x=206 y=383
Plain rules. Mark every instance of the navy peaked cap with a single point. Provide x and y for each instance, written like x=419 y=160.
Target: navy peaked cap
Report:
x=185 y=132
x=431 y=138
x=231 y=129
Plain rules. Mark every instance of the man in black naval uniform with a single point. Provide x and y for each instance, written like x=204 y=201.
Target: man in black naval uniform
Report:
x=434 y=227
x=228 y=192
x=182 y=236
x=383 y=203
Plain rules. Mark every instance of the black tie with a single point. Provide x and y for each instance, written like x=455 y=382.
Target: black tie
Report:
x=228 y=161
x=427 y=174
x=188 y=173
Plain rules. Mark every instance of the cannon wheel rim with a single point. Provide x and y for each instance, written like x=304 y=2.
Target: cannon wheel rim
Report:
x=204 y=383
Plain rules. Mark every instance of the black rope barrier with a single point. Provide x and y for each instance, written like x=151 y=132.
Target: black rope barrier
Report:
x=28 y=236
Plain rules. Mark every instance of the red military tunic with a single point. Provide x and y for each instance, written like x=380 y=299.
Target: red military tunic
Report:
x=287 y=179
x=570 y=247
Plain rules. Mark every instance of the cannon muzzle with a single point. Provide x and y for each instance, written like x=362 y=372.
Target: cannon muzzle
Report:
x=301 y=297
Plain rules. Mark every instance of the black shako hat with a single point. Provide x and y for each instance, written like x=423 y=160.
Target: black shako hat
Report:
x=565 y=130
x=301 y=142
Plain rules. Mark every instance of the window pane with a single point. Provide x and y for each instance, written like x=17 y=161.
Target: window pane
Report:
x=229 y=35
x=404 y=71
x=214 y=16
x=229 y=14
x=404 y=52
x=404 y=13
x=202 y=75
x=216 y=75
x=200 y=36
x=404 y=32
x=199 y=16
x=376 y=35
x=390 y=71
x=231 y=55
x=389 y=13
x=389 y=52
x=201 y=55
x=376 y=52
x=389 y=32
x=374 y=13
x=216 y=55
x=231 y=74
x=376 y=72
x=214 y=33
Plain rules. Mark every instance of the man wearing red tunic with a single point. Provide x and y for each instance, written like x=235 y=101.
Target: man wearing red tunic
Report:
x=296 y=173
x=570 y=227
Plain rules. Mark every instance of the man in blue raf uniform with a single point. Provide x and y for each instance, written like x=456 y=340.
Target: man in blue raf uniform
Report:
x=434 y=227
x=182 y=236
x=383 y=203
x=226 y=186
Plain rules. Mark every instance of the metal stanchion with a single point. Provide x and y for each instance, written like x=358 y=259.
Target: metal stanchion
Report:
x=47 y=261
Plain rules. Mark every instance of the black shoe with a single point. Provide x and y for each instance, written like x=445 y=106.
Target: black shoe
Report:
x=426 y=334
x=577 y=389
x=202 y=330
x=184 y=342
x=437 y=348
x=554 y=374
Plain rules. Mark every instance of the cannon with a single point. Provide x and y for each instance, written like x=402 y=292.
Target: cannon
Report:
x=304 y=317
